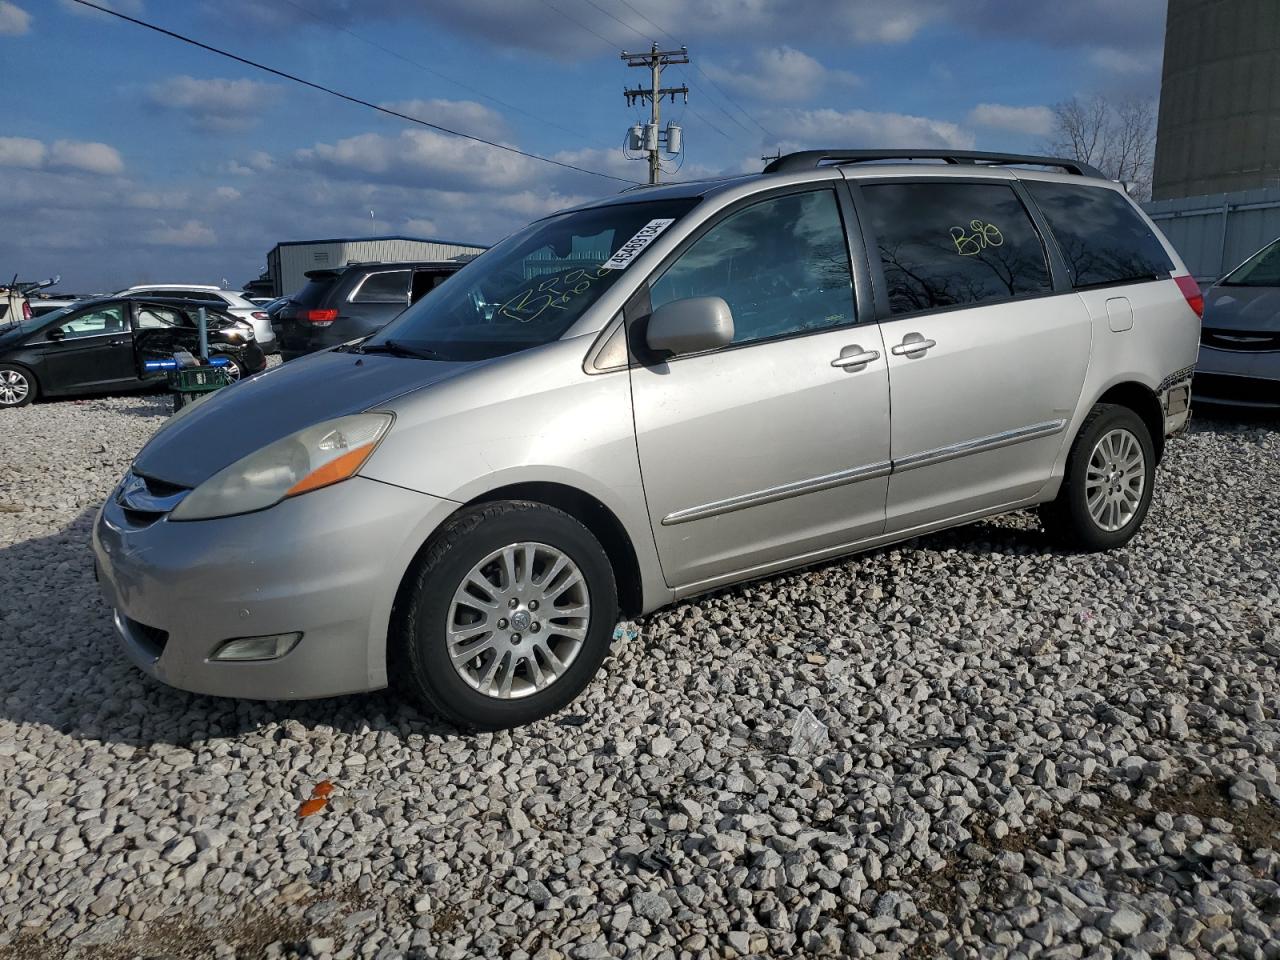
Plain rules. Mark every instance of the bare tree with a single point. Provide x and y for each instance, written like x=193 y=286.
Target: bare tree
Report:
x=1116 y=136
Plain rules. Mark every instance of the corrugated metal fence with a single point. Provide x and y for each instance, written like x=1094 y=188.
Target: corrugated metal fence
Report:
x=1216 y=232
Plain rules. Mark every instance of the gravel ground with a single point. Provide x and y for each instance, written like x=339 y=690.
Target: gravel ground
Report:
x=1026 y=753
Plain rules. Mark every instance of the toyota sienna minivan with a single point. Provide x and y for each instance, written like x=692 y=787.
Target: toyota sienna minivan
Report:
x=647 y=397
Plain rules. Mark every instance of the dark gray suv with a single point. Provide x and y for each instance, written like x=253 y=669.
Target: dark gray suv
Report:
x=350 y=302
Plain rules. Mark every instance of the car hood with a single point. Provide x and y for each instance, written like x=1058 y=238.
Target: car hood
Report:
x=1242 y=308
x=237 y=420
x=11 y=335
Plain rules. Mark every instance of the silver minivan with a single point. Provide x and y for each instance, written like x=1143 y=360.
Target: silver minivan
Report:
x=648 y=397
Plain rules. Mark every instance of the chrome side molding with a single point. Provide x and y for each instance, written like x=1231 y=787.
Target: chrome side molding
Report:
x=869 y=471
x=965 y=448
x=783 y=492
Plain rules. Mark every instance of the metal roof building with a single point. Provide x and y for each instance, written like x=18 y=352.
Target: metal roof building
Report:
x=290 y=260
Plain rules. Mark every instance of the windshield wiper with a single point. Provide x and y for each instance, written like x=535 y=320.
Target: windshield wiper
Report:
x=397 y=349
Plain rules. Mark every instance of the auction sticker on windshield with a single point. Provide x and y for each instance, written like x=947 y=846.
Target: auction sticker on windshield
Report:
x=633 y=247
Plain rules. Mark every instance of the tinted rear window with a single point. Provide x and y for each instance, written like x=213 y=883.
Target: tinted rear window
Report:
x=315 y=290
x=1101 y=236
x=952 y=244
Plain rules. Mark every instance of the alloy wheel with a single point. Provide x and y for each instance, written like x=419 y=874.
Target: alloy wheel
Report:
x=1115 y=479
x=13 y=388
x=517 y=620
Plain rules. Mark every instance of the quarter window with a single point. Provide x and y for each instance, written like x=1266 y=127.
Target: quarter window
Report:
x=391 y=286
x=782 y=266
x=954 y=244
x=1101 y=236
x=151 y=317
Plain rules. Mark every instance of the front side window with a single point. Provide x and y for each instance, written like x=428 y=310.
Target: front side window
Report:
x=95 y=323
x=954 y=244
x=390 y=286
x=532 y=287
x=782 y=265
x=1101 y=236
x=1260 y=270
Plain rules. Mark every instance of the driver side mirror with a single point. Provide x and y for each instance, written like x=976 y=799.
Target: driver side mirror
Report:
x=690 y=326
x=57 y=333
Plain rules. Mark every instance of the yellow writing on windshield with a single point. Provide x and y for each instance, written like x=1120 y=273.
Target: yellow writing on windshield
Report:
x=551 y=293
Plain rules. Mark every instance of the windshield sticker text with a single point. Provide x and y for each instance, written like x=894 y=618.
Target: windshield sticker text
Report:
x=971 y=244
x=633 y=247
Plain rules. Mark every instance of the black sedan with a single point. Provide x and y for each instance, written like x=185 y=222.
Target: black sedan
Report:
x=115 y=344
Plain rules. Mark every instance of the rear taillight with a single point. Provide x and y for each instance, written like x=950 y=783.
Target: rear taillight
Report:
x=258 y=315
x=320 y=318
x=26 y=310
x=1191 y=290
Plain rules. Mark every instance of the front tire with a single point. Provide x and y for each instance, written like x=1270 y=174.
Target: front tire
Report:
x=1107 y=488
x=17 y=386
x=506 y=616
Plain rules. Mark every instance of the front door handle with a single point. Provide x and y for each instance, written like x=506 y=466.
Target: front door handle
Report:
x=913 y=345
x=855 y=356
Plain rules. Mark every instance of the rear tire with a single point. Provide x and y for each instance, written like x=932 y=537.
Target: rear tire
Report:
x=1108 y=483
x=17 y=386
x=524 y=587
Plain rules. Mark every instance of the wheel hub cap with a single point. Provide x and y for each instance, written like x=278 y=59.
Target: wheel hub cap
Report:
x=13 y=386
x=518 y=620
x=1115 y=480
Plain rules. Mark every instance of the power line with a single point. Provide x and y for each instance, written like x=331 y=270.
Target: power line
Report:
x=345 y=96
x=750 y=116
x=435 y=73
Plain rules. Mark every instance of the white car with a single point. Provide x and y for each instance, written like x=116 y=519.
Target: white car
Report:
x=229 y=301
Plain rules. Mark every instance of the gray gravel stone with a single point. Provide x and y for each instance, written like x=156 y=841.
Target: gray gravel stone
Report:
x=1029 y=752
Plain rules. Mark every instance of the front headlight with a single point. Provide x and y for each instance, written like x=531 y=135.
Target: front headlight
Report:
x=316 y=457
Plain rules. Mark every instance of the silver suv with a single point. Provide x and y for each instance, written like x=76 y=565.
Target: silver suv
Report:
x=647 y=397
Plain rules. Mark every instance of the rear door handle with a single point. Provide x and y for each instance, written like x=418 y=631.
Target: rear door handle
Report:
x=913 y=345
x=855 y=356
x=118 y=343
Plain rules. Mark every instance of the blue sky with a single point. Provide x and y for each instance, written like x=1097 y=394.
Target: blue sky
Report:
x=129 y=157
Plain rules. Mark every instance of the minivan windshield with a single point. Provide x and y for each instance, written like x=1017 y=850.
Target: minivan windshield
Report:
x=1260 y=270
x=528 y=289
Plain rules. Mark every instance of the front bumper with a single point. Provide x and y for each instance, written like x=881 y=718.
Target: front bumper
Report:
x=1238 y=378
x=326 y=564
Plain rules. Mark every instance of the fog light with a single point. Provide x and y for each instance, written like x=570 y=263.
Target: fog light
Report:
x=257 y=648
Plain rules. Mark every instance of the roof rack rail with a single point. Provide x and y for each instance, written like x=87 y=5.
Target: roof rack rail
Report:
x=811 y=159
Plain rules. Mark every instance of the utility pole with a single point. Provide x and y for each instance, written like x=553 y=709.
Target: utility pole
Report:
x=652 y=137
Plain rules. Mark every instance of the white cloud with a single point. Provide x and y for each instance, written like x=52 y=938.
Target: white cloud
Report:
x=420 y=157
x=783 y=75
x=61 y=155
x=227 y=193
x=1037 y=121
x=465 y=116
x=1126 y=62
x=14 y=21
x=864 y=128
x=192 y=233
x=87 y=156
x=214 y=103
x=21 y=152
x=419 y=227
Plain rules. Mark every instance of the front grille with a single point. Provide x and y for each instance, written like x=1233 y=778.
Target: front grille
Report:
x=1243 y=341
x=1228 y=389
x=151 y=639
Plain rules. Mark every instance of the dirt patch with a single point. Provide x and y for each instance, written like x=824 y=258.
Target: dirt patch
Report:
x=249 y=933
x=1253 y=827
